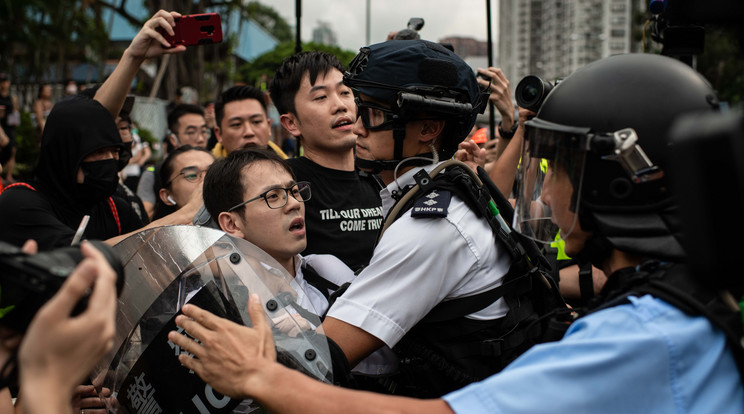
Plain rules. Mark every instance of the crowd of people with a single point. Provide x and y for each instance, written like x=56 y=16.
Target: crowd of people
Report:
x=539 y=270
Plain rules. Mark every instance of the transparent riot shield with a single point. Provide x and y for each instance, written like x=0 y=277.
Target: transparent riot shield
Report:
x=167 y=267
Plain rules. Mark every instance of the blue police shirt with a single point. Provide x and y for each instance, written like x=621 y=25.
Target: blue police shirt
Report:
x=642 y=357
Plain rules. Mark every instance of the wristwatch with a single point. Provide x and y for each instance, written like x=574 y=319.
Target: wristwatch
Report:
x=508 y=134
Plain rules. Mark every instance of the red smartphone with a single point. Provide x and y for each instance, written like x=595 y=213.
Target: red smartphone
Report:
x=195 y=29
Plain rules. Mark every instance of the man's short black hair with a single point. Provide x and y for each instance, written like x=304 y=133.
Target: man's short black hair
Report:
x=180 y=110
x=224 y=185
x=288 y=77
x=237 y=93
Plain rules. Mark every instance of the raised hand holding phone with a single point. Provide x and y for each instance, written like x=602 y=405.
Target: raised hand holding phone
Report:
x=195 y=29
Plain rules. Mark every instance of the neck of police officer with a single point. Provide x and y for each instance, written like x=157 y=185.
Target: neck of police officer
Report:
x=620 y=260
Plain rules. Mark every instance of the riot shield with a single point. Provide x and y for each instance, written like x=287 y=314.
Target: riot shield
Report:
x=167 y=267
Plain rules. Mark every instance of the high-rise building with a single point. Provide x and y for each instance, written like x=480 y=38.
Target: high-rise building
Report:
x=323 y=34
x=552 y=38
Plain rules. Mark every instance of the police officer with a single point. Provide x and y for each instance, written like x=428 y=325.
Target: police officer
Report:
x=416 y=102
x=603 y=131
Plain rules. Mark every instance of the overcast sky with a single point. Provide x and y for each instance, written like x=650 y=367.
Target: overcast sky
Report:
x=347 y=18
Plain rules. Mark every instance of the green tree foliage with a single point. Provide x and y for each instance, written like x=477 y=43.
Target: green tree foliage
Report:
x=270 y=20
x=251 y=73
x=39 y=38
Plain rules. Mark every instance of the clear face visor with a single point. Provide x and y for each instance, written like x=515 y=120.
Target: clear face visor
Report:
x=550 y=173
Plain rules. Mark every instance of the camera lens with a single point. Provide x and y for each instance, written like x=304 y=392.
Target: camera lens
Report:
x=531 y=91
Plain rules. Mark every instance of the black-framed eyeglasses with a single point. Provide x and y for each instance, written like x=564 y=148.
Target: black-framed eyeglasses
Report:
x=191 y=174
x=375 y=117
x=277 y=197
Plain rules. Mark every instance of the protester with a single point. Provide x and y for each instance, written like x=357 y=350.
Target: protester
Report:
x=78 y=161
x=42 y=106
x=186 y=126
x=141 y=152
x=181 y=173
x=242 y=121
x=253 y=195
x=345 y=213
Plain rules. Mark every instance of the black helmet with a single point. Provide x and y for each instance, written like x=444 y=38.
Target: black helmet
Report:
x=607 y=125
x=416 y=76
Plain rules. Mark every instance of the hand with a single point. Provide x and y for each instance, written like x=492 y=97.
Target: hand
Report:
x=228 y=356
x=149 y=43
x=189 y=210
x=86 y=398
x=525 y=115
x=292 y=324
x=491 y=147
x=500 y=94
x=59 y=351
x=471 y=154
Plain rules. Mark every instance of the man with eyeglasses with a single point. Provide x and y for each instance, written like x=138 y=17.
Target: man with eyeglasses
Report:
x=344 y=215
x=253 y=195
x=186 y=126
x=181 y=174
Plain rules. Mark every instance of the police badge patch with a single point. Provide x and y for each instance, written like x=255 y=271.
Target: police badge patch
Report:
x=433 y=204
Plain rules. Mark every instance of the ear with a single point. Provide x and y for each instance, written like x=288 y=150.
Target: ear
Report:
x=291 y=124
x=173 y=140
x=218 y=133
x=164 y=194
x=430 y=129
x=229 y=224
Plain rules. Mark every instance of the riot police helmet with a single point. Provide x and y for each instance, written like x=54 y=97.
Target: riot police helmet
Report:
x=606 y=126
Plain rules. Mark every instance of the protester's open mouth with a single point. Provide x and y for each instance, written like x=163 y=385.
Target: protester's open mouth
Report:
x=343 y=122
x=297 y=224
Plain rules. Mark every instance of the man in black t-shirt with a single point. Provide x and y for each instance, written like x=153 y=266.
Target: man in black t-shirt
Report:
x=344 y=214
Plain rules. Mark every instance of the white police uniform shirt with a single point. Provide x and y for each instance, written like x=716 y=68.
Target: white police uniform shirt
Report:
x=420 y=262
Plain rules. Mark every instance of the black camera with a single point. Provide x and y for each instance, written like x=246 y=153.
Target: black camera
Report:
x=531 y=92
x=411 y=31
x=29 y=281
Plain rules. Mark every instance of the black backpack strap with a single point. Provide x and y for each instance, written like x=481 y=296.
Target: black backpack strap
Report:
x=330 y=290
x=317 y=281
x=459 y=307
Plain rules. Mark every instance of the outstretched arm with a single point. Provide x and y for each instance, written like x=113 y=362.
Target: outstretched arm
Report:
x=240 y=362
x=147 y=44
x=504 y=169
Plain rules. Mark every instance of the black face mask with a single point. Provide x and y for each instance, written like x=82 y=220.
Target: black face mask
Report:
x=101 y=179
